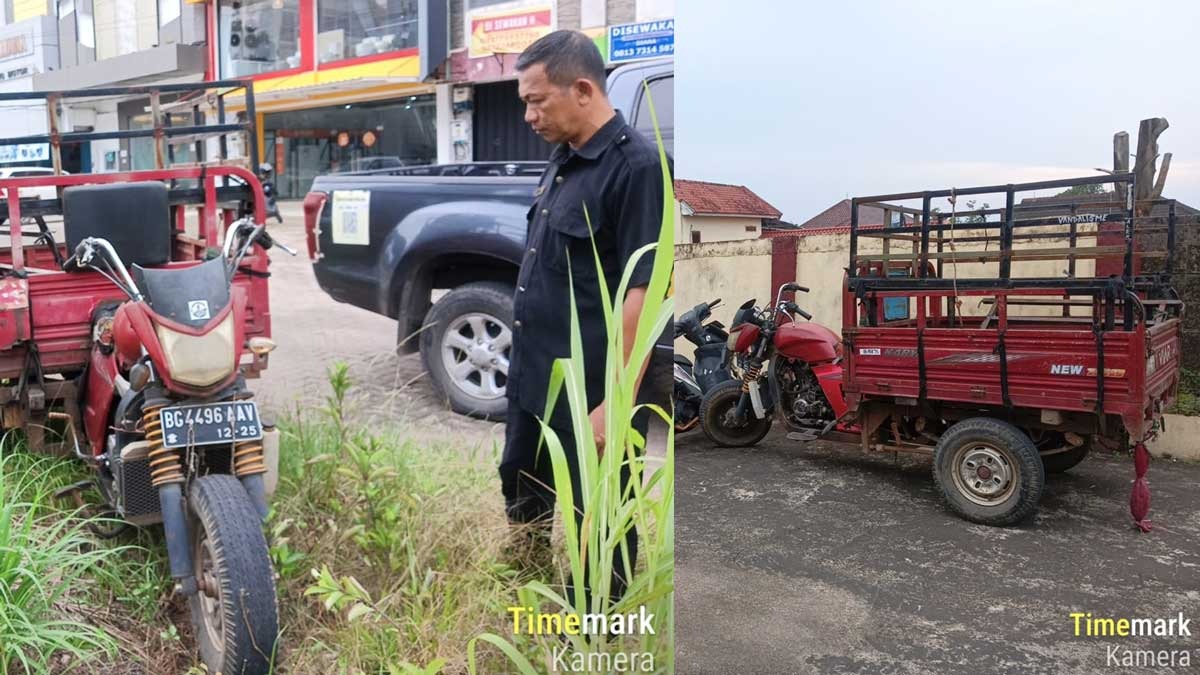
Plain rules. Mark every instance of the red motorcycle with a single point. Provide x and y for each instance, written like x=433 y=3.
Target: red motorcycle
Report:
x=782 y=367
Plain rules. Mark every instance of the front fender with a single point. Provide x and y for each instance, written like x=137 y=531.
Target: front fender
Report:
x=486 y=228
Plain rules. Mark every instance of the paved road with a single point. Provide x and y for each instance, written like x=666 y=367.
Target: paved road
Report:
x=312 y=331
x=820 y=559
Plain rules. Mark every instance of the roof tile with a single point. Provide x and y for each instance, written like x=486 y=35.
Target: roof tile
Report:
x=724 y=200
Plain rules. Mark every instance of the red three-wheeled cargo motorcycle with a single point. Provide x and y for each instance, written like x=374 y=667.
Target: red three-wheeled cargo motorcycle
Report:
x=127 y=339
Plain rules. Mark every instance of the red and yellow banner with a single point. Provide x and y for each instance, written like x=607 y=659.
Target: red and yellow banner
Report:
x=508 y=32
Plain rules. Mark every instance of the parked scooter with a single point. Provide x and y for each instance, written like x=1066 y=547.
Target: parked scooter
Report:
x=177 y=438
x=692 y=380
x=789 y=367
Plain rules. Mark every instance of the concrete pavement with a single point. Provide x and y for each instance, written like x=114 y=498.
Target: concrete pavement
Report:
x=819 y=559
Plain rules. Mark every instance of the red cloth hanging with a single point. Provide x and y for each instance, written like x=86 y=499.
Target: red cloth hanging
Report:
x=1139 y=499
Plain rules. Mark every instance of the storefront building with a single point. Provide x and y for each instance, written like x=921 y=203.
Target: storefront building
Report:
x=338 y=85
x=24 y=54
x=487 y=36
x=119 y=43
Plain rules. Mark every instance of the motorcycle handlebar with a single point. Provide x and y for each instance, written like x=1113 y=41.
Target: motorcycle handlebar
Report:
x=792 y=307
x=71 y=264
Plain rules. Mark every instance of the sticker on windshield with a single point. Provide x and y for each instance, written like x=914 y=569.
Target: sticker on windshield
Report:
x=352 y=217
x=198 y=310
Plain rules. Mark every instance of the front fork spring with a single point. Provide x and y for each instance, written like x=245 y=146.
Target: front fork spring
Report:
x=753 y=370
x=166 y=465
x=248 y=456
x=248 y=459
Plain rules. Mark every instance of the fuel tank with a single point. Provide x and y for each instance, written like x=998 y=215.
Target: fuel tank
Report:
x=809 y=342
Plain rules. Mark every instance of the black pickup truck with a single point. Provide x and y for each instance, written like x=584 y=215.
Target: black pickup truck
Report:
x=387 y=240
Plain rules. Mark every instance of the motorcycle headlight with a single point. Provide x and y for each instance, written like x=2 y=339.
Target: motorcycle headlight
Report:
x=200 y=360
x=731 y=341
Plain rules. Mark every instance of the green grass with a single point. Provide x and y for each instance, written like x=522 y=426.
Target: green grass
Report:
x=389 y=555
x=48 y=565
x=389 y=552
x=1188 y=402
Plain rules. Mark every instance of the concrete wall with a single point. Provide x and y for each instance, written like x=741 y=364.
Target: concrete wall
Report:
x=716 y=228
x=821 y=265
x=739 y=270
x=1179 y=440
x=734 y=271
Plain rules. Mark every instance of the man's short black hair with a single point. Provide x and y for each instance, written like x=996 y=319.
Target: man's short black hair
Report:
x=567 y=55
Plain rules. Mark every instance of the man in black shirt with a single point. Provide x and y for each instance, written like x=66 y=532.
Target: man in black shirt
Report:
x=600 y=162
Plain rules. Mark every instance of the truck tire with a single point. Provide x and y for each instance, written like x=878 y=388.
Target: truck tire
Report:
x=234 y=615
x=465 y=347
x=989 y=471
x=717 y=406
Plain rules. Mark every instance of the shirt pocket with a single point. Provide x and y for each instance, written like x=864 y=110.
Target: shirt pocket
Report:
x=567 y=238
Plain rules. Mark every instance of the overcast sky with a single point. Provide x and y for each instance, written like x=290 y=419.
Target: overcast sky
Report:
x=810 y=102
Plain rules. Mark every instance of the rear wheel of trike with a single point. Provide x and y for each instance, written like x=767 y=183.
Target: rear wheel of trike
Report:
x=989 y=471
x=234 y=613
x=717 y=418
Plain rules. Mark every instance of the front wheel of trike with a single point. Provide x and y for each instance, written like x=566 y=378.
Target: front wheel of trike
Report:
x=719 y=420
x=989 y=471
x=234 y=611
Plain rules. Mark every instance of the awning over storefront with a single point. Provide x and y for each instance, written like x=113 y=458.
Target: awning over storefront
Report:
x=348 y=84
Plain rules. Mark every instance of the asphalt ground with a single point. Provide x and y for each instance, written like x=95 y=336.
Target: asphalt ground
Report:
x=818 y=558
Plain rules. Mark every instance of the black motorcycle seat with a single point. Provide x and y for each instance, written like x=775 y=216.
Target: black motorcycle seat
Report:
x=683 y=360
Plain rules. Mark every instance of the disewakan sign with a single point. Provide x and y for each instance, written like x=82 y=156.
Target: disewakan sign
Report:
x=643 y=40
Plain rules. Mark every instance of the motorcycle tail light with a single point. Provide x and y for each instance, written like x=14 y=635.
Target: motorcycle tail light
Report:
x=200 y=360
x=313 y=203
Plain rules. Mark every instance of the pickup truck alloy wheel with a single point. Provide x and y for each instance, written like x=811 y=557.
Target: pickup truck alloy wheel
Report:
x=466 y=345
x=989 y=471
x=475 y=351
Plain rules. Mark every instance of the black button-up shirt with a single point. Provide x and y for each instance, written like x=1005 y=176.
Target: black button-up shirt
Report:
x=618 y=176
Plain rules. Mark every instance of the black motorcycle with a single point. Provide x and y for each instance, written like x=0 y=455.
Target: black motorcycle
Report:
x=692 y=380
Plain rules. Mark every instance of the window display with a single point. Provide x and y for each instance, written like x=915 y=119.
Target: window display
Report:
x=259 y=36
x=348 y=29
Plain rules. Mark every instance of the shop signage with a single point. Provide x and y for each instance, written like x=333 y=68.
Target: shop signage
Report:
x=27 y=9
x=507 y=31
x=14 y=46
x=25 y=152
x=15 y=73
x=643 y=40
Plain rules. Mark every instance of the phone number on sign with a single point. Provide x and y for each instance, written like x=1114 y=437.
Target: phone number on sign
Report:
x=653 y=50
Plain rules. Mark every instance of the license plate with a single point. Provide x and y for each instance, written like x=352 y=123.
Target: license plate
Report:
x=210 y=423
